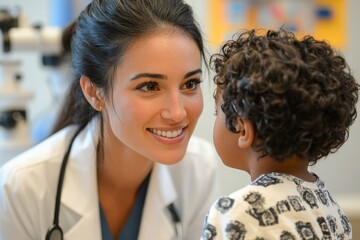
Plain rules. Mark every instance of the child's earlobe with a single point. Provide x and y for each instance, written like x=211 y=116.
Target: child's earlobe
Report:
x=246 y=134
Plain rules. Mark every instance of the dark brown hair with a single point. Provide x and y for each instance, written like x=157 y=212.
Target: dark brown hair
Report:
x=102 y=34
x=299 y=94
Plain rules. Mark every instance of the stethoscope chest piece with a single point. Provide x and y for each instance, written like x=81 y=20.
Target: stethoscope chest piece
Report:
x=54 y=233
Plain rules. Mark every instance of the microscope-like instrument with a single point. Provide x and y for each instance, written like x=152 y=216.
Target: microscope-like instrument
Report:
x=14 y=127
x=13 y=112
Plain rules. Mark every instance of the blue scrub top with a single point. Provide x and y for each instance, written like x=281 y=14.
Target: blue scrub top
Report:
x=132 y=225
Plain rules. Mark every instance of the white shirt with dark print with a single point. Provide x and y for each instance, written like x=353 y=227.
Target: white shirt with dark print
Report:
x=277 y=206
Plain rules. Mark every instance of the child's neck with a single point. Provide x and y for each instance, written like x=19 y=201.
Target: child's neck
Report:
x=293 y=166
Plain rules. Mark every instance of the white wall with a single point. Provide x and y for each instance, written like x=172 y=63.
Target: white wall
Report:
x=341 y=171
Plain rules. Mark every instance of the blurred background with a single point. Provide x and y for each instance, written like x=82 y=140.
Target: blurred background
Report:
x=34 y=75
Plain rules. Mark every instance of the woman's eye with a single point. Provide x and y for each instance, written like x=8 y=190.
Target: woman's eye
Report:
x=192 y=84
x=148 y=87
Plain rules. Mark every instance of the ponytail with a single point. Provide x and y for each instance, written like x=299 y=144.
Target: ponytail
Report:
x=75 y=109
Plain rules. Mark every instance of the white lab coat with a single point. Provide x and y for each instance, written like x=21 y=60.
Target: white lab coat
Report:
x=28 y=188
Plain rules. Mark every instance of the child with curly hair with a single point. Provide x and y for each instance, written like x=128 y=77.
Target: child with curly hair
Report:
x=282 y=104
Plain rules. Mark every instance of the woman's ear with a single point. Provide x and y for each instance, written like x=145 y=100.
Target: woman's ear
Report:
x=247 y=134
x=91 y=93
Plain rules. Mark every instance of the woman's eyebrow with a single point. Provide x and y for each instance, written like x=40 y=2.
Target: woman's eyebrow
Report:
x=189 y=74
x=161 y=76
x=148 y=75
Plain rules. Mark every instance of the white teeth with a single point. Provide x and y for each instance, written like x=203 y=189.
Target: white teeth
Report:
x=166 y=134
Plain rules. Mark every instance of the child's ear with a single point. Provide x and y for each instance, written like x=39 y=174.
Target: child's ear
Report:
x=246 y=134
x=92 y=94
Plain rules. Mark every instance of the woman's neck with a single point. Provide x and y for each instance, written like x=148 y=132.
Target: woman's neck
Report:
x=122 y=169
x=120 y=175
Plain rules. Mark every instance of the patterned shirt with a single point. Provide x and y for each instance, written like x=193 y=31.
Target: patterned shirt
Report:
x=277 y=206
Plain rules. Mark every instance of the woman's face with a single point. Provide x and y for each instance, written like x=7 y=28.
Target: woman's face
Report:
x=156 y=100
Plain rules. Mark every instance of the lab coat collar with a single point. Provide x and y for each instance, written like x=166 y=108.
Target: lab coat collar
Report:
x=156 y=218
x=80 y=193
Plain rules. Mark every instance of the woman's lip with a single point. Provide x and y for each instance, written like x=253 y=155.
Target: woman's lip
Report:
x=168 y=133
x=172 y=140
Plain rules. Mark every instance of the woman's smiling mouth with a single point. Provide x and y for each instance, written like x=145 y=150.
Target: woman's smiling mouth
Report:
x=166 y=134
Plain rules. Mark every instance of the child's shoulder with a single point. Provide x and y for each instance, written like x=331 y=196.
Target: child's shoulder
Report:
x=267 y=188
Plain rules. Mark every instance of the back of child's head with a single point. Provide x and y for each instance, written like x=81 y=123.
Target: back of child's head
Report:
x=299 y=94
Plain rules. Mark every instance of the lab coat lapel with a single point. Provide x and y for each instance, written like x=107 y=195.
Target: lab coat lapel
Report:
x=80 y=192
x=156 y=220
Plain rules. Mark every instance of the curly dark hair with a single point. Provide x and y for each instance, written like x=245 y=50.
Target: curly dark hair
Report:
x=299 y=94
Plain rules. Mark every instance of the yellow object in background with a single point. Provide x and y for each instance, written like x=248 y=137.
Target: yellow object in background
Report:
x=333 y=29
x=324 y=19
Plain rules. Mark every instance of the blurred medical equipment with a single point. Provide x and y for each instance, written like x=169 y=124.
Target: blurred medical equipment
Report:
x=13 y=117
x=61 y=14
x=14 y=126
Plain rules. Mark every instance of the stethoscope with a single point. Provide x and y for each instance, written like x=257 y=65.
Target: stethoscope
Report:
x=55 y=232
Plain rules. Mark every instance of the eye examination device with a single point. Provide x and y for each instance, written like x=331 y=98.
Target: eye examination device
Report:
x=13 y=115
x=14 y=121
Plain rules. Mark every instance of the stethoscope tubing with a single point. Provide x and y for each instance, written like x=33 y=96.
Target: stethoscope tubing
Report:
x=55 y=232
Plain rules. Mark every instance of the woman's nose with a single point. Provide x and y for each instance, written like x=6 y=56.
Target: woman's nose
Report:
x=174 y=108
